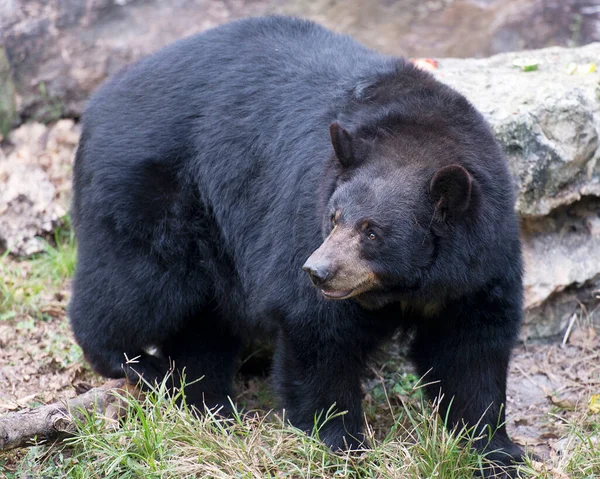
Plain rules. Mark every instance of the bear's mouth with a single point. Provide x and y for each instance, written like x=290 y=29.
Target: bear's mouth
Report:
x=348 y=293
x=337 y=294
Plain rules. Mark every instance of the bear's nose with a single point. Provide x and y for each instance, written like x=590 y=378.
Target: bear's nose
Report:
x=318 y=273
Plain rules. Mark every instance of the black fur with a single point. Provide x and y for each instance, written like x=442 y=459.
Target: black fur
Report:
x=206 y=176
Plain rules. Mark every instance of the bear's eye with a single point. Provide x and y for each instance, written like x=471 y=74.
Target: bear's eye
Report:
x=335 y=216
x=371 y=235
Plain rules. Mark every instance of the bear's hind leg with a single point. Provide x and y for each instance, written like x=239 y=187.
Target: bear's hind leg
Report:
x=110 y=346
x=124 y=302
x=205 y=352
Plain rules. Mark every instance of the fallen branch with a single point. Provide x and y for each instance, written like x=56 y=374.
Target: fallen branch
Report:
x=55 y=421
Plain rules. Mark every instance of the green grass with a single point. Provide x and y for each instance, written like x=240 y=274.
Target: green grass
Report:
x=58 y=260
x=24 y=282
x=51 y=109
x=160 y=439
x=582 y=448
x=19 y=290
x=33 y=291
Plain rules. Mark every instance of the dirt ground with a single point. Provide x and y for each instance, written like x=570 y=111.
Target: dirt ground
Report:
x=551 y=383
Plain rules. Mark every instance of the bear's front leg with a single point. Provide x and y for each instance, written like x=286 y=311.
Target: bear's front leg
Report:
x=464 y=355
x=311 y=376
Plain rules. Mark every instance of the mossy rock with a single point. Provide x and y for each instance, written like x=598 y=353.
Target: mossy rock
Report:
x=8 y=108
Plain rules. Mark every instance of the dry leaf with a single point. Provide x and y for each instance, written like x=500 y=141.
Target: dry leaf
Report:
x=562 y=403
x=594 y=404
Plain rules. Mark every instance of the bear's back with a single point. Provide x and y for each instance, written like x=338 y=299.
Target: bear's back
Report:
x=250 y=94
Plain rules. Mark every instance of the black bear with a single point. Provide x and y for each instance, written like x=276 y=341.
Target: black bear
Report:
x=212 y=173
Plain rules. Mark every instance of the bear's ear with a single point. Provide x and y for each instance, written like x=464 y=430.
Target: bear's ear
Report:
x=342 y=144
x=450 y=190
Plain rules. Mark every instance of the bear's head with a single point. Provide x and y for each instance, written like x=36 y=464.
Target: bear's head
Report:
x=415 y=208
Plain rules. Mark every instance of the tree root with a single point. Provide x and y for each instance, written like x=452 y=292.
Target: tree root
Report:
x=56 y=421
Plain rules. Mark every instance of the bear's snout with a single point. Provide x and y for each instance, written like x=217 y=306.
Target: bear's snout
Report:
x=318 y=272
x=336 y=267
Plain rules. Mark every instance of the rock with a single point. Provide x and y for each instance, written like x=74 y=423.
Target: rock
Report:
x=8 y=106
x=35 y=184
x=60 y=51
x=462 y=28
x=547 y=120
x=562 y=257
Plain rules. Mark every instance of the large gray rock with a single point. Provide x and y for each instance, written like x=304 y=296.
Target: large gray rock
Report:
x=455 y=28
x=60 y=51
x=562 y=256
